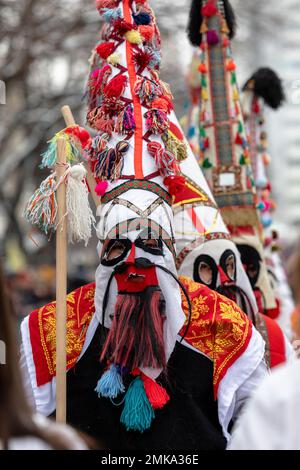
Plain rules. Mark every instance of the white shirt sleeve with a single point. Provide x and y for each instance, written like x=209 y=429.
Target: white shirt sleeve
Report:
x=271 y=419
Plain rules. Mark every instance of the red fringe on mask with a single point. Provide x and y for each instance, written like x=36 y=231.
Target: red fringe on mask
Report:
x=136 y=335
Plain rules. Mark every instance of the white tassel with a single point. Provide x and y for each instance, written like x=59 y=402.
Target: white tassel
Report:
x=79 y=213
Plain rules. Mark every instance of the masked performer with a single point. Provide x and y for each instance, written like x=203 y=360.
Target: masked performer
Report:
x=154 y=361
x=225 y=158
x=264 y=89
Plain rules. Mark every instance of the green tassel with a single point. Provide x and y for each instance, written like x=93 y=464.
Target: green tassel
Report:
x=203 y=82
x=243 y=160
x=202 y=132
x=137 y=414
x=240 y=128
x=207 y=164
x=233 y=78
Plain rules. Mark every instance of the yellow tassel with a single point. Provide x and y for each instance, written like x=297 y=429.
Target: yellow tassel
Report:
x=203 y=28
x=204 y=94
x=175 y=146
x=114 y=59
x=134 y=37
x=224 y=27
x=236 y=95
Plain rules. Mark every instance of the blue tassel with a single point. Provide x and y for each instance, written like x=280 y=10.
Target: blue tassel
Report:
x=142 y=19
x=111 y=14
x=266 y=220
x=111 y=384
x=137 y=414
x=191 y=132
x=155 y=58
x=49 y=157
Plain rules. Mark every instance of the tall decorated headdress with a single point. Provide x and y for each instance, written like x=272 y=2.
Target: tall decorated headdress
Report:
x=205 y=250
x=135 y=158
x=264 y=89
x=223 y=148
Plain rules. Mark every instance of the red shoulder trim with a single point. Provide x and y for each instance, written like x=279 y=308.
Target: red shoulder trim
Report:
x=42 y=329
x=219 y=329
x=276 y=342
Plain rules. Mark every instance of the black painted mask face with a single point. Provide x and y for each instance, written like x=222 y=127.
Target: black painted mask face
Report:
x=228 y=264
x=206 y=270
x=116 y=251
x=251 y=260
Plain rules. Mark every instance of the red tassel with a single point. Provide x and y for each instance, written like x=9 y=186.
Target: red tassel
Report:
x=105 y=49
x=115 y=87
x=256 y=107
x=174 y=184
x=101 y=188
x=147 y=32
x=206 y=142
x=142 y=58
x=81 y=134
x=238 y=140
x=156 y=394
x=163 y=104
x=105 y=4
x=209 y=10
x=231 y=66
x=202 y=68
x=121 y=27
x=226 y=42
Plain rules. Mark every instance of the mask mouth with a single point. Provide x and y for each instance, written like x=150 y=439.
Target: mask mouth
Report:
x=144 y=263
x=135 y=277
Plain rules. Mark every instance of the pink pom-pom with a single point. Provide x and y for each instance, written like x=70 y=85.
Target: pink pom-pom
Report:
x=101 y=188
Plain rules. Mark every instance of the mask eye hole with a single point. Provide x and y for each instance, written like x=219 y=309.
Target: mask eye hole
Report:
x=115 y=251
x=252 y=271
x=150 y=242
x=228 y=264
x=206 y=271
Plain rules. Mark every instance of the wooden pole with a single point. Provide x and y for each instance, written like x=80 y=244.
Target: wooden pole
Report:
x=61 y=288
x=70 y=121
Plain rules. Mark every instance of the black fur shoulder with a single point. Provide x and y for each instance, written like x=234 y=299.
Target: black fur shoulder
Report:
x=268 y=86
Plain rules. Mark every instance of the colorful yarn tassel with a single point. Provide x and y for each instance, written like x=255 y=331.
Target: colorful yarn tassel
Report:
x=79 y=213
x=49 y=158
x=157 y=121
x=125 y=123
x=41 y=209
x=175 y=146
x=111 y=384
x=138 y=413
x=147 y=90
x=111 y=14
x=110 y=162
x=164 y=160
